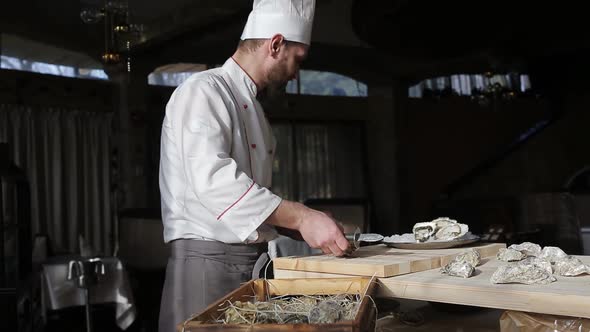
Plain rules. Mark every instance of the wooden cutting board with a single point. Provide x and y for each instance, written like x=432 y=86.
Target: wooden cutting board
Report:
x=380 y=260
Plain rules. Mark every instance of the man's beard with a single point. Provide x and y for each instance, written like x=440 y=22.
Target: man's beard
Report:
x=277 y=89
x=277 y=85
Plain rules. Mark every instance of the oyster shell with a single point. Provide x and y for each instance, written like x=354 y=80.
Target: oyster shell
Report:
x=553 y=254
x=510 y=255
x=462 y=265
x=423 y=230
x=571 y=266
x=521 y=273
x=527 y=248
x=458 y=269
x=470 y=256
x=538 y=262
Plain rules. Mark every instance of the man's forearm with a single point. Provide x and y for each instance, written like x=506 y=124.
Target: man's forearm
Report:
x=287 y=215
x=291 y=233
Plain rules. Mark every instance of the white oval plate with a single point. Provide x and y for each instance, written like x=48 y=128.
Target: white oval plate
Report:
x=433 y=244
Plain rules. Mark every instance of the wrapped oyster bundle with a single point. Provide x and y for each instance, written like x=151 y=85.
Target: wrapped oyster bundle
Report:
x=440 y=229
x=510 y=255
x=522 y=273
x=326 y=312
x=527 y=248
x=553 y=254
x=570 y=267
x=462 y=265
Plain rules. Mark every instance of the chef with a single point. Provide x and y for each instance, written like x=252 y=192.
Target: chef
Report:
x=216 y=158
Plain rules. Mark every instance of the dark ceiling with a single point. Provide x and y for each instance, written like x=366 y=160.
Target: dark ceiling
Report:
x=543 y=38
x=383 y=39
x=429 y=29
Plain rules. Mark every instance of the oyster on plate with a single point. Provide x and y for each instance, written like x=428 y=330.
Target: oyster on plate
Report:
x=444 y=221
x=451 y=232
x=440 y=229
x=423 y=231
x=570 y=267
x=510 y=255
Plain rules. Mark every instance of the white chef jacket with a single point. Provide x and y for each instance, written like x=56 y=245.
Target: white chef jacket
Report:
x=216 y=155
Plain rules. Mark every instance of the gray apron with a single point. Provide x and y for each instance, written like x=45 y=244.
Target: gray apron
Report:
x=201 y=272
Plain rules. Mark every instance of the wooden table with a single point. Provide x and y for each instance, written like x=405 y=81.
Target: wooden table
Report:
x=568 y=296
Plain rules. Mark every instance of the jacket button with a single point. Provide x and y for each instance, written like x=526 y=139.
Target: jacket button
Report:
x=245 y=106
x=253 y=146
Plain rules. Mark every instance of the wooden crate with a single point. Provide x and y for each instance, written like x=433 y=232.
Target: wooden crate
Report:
x=261 y=288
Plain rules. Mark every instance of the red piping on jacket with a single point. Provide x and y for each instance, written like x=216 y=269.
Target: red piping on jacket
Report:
x=236 y=202
x=249 y=153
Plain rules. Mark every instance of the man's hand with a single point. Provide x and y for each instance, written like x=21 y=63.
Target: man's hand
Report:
x=321 y=231
x=316 y=228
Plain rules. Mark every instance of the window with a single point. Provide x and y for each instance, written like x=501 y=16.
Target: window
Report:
x=319 y=160
x=310 y=82
x=168 y=79
x=320 y=83
x=469 y=85
x=13 y=63
x=174 y=74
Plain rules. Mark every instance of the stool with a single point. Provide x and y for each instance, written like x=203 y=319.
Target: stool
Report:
x=86 y=272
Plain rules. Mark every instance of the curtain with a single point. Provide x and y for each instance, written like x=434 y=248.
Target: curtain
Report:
x=325 y=161
x=283 y=170
x=65 y=154
x=319 y=161
x=330 y=161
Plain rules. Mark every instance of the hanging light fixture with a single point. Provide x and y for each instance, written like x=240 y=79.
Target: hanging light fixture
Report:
x=118 y=32
x=91 y=15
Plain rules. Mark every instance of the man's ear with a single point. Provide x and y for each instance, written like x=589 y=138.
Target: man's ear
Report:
x=276 y=42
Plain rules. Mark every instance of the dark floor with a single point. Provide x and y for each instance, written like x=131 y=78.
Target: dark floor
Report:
x=146 y=287
x=73 y=320
x=103 y=320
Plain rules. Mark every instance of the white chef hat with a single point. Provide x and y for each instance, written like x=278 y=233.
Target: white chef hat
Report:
x=291 y=18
